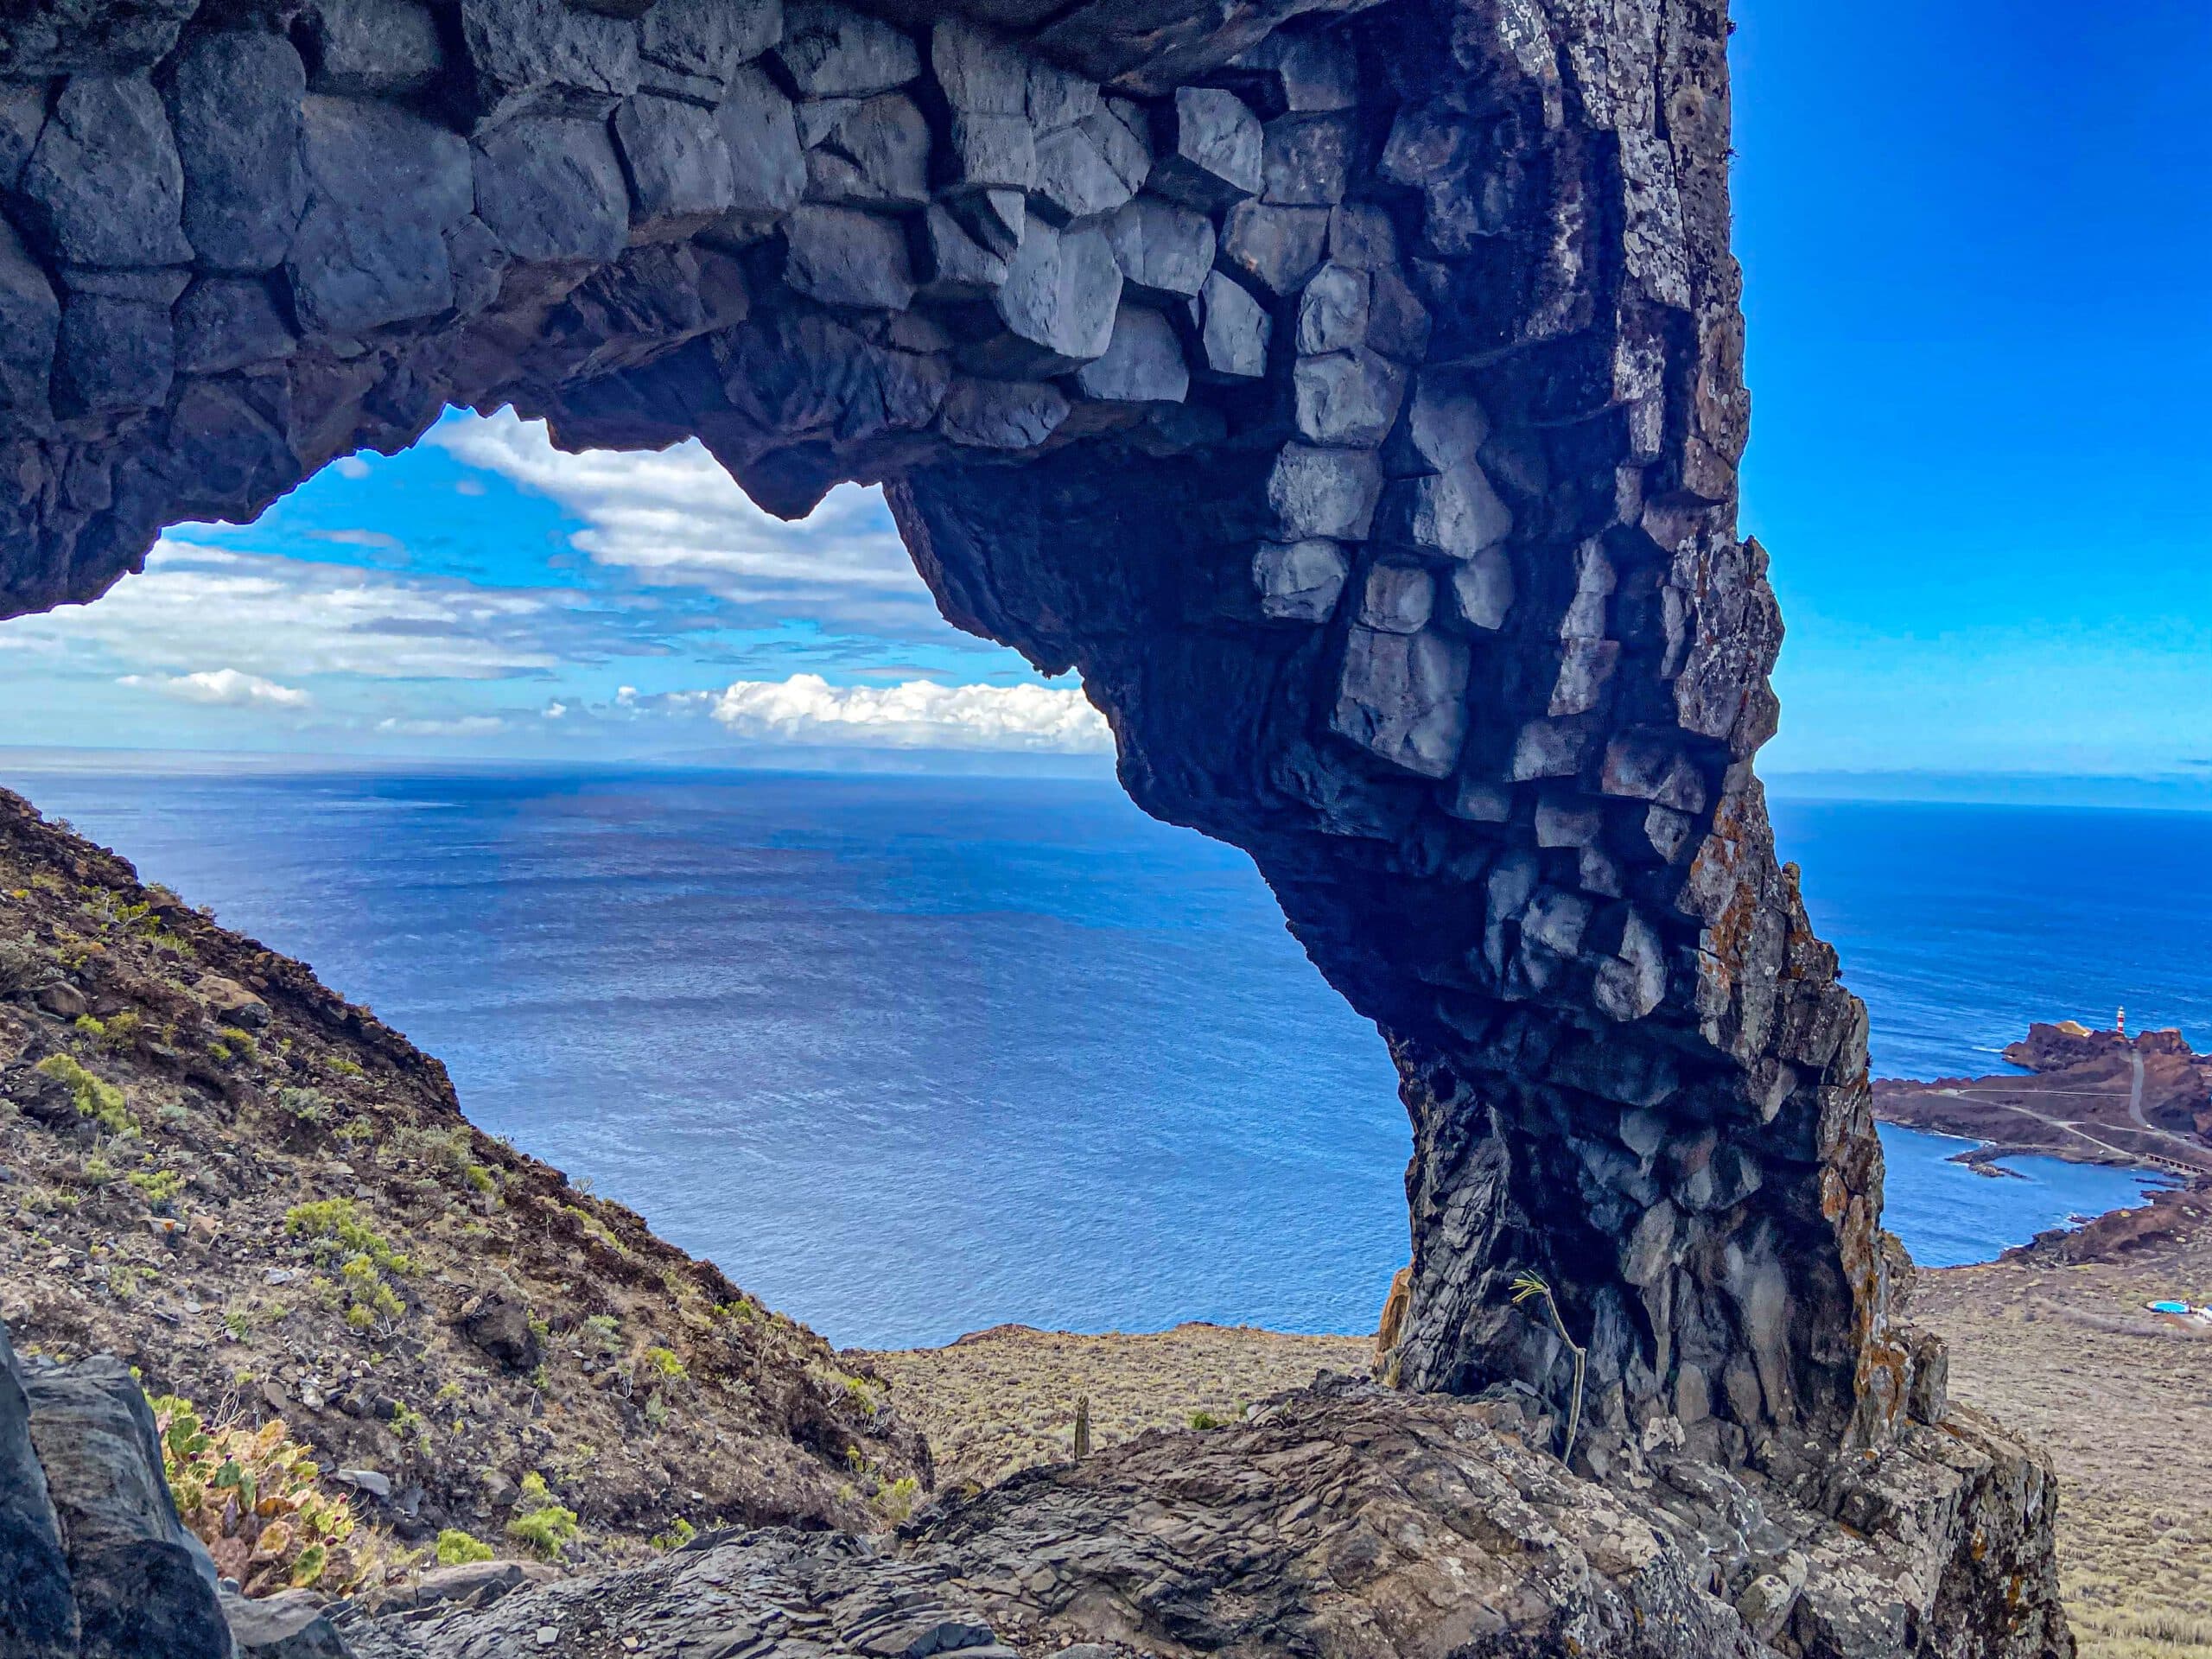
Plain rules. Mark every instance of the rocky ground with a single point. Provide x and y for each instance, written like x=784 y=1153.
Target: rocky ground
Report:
x=268 y=1201
x=2090 y=1096
x=2053 y=1341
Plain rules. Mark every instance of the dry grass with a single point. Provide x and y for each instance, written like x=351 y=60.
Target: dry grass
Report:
x=1004 y=1399
x=2066 y=1353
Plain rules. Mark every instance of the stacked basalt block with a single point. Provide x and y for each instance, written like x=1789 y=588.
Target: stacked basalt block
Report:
x=1352 y=392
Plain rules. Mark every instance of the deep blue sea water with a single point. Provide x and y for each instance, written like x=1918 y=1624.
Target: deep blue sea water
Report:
x=912 y=1056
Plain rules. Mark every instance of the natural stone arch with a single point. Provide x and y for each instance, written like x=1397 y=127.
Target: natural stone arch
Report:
x=1352 y=392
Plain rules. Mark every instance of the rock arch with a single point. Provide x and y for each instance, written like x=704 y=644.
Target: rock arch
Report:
x=1351 y=391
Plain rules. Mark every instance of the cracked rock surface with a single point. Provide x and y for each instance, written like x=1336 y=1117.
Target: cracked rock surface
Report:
x=1351 y=1520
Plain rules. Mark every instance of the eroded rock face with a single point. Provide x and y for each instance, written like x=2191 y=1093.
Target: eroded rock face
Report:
x=1351 y=392
x=1350 y=1522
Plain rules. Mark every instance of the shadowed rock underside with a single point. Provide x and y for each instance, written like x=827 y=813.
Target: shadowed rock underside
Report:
x=1351 y=393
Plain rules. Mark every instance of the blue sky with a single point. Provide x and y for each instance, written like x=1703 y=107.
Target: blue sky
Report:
x=1975 y=237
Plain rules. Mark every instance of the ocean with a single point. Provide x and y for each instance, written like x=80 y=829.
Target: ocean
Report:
x=912 y=1056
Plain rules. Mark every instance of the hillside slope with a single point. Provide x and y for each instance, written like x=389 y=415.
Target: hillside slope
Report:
x=269 y=1202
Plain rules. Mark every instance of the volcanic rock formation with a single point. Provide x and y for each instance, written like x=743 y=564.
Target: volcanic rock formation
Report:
x=1352 y=392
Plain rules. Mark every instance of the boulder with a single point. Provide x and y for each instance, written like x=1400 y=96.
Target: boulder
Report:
x=1009 y=415
x=1306 y=160
x=874 y=154
x=372 y=47
x=1332 y=310
x=234 y=100
x=1398 y=598
x=1165 y=251
x=383 y=187
x=105 y=187
x=290 y=1625
x=678 y=163
x=768 y=165
x=1299 y=581
x=1143 y=362
x=1062 y=293
x=1277 y=249
x=38 y=1613
x=1207 y=149
x=1454 y=515
x=551 y=190
x=841 y=256
x=1324 y=493
x=143 y=1585
x=831 y=51
x=711 y=39
x=1233 y=330
x=544 y=57
x=1347 y=398
x=499 y=1325
x=1403 y=696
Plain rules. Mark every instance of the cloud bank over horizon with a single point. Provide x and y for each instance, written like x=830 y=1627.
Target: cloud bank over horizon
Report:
x=919 y=713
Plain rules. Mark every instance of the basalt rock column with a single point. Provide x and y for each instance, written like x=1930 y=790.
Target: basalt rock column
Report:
x=1352 y=392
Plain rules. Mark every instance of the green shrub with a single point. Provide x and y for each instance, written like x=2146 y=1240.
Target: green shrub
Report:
x=680 y=1533
x=308 y=1105
x=117 y=1034
x=338 y=1229
x=1203 y=1419
x=160 y=1187
x=895 y=1502
x=540 y=1521
x=95 y=1098
x=458 y=1548
x=664 y=1361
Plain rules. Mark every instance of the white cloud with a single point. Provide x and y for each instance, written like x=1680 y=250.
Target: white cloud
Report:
x=676 y=518
x=463 y=726
x=351 y=466
x=226 y=687
x=920 y=714
x=280 y=618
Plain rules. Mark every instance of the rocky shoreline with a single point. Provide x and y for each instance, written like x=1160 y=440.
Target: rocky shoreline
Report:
x=2087 y=1096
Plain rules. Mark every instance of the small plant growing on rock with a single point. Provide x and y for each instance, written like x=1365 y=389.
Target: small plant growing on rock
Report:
x=663 y=1361
x=23 y=964
x=160 y=1188
x=680 y=1533
x=308 y=1105
x=1530 y=1286
x=895 y=1502
x=1203 y=1420
x=118 y=1033
x=458 y=1548
x=94 y=1097
x=540 y=1521
x=408 y=1424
